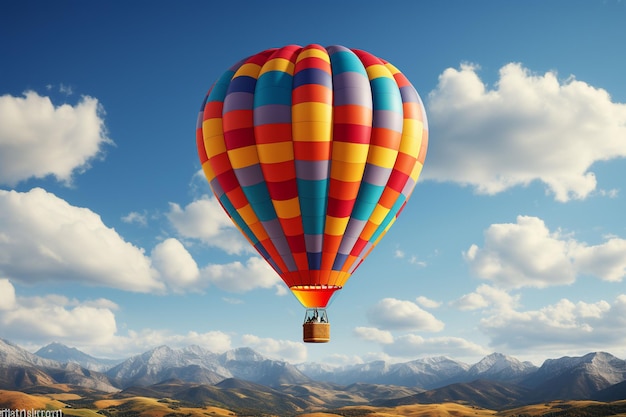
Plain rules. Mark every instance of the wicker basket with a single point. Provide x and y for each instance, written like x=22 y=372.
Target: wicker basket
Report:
x=316 y=332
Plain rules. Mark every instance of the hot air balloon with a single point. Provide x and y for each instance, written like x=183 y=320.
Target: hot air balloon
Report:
x=313 y=152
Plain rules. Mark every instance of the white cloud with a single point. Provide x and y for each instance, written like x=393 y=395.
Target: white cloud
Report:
x=38 y=139
x=134 y=217
x=238 y=277
x=135 y=342
x=205 y=220
x=393 y=314
x=372 y=334
x=528 y=128
x=606 y=261
x=45 y=238
x=175 y=264
x=7 y=295
x=283 y=349
x=410 y=345
x=565 y=325
x=89 y=325
x=55 y=317
x=484 y=297
x=528 y=254
x=427 y=302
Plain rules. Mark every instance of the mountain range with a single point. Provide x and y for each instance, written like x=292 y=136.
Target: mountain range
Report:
x=194 y=374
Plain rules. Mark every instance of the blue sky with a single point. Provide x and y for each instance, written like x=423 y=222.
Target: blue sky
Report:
x=514 y=240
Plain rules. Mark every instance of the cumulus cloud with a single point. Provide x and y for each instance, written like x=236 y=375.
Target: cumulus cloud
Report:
x=45 y=238
x=55 y=317
x=282 y=349
x=528 y=254
x=372 y=334
x=89 y=325
x=176 y=266
x=239 y=277
x=427 y=302
x=484 y=297
x=607 y=260
x=205 y=220
x=559 y=326
x=393 y=314
x=135 y=342
x=38 y=139
x=7 y=294
x=527 y=128
x=410 y=345
x=134 y=217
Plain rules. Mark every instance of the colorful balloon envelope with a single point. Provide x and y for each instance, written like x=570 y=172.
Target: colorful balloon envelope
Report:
x=313 y=152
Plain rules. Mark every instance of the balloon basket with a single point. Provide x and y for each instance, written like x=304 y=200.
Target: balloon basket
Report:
x=316 y=328
x=316 y=332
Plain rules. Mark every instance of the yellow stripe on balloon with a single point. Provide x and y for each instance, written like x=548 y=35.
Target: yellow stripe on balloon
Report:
x=247 y=214
x=350 y=152
x=287 y=209
x=278 y=64
x=312 y=111
x=271 y=153
x=249 y=69
x=382 y=157
x=411 y=137
x=208 y=171
x=347 y=171
x=336 y=226
x=417 y=169
x=377 y=71
x=379 y=214
x=313 y=53
x=243 y=157
x=311 y=131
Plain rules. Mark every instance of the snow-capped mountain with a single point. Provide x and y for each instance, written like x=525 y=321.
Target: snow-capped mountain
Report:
x=576 y=377
x=426 y=373
x=13 y=355
x=195 y=364
x=64 y=354
x=22 y=369
x=499 y=367
x=563 y=378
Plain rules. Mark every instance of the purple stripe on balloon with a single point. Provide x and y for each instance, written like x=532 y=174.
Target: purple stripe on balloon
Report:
x=312 y=170
x=249 y=175
x=314 y=243
x=351 y=79
x=238 y=101
x=376 y=175
x=347 y=243
x=354 y=228
x=272 y=113
x=409 y=95
x=216 y=187
x=337 y=48
x=387 y=119
x=356 y=96
x=281 y=245
x=273 y=228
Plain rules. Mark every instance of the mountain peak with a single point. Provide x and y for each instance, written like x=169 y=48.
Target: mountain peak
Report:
x=64 y=354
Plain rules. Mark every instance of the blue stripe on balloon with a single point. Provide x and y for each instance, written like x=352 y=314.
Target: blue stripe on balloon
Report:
x=346 y=61
x=273 y=87
x=312 y=76
x=243 y=84
x=315 y=260
x=385 y=95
